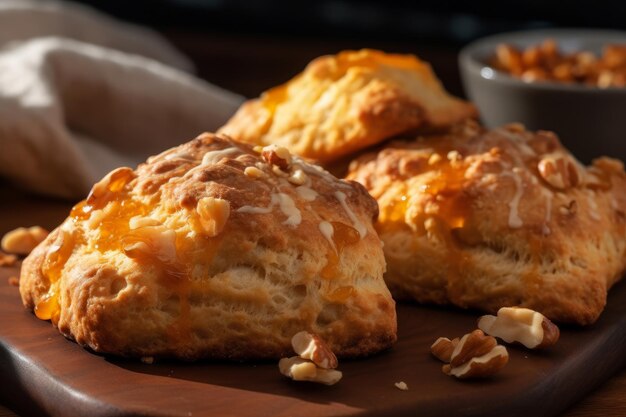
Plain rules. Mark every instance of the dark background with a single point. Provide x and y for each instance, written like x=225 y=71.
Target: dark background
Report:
x=248 y=46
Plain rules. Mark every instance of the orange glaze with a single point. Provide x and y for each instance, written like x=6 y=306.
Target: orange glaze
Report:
x=114 y=228
x=442 y=183
x=343 y=235
x=189 y=254
x=446 y=186
x=373 y=59
x=394 y=213
x=342 y=63
x=452 y=214
x=101 y=194
x=273 y=97
x=47 y=308
x=81 y=211
x=341 y=294
x=176 y=274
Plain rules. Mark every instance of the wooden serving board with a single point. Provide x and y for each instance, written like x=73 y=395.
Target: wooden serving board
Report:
x=44 y=374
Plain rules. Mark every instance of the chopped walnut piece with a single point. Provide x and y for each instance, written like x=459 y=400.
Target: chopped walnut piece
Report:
x=471 y=345
x=476 y=355
x=443 y=347
x=214 y=213
x=609 y=165
x=154 y=241
x=314 y=363
x=480 y=366
x=278 y=156
x=141 y=221
x=313 y=348
x=300 y=369
x=402 y=386
x=298 y=177
x=254 y=172
x=528 y=327
x=454 y=155
x=279 y=172
x=560 y=171
x=7 y=260
x=22 y=241
x=545 y=62
x=434 y=159
x=570 y=209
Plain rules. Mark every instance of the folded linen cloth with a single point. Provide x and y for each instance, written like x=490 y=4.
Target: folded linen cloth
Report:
x=71 y=111
x=27 y=19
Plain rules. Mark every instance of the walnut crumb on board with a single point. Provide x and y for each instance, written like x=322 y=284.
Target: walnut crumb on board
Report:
x=7 y=260
x=22 y=241
x=402 y=386
x=14 y=281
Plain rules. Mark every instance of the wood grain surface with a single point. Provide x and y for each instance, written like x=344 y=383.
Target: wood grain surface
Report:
x=45 y=374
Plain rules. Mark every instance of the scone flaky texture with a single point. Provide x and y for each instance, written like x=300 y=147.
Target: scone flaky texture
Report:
x=215 y=250
x=346 y=102
x=486 y=219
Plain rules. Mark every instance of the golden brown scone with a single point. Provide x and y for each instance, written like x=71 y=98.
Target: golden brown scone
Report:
x=486 y=219
x=346 y=102
x=215 y=250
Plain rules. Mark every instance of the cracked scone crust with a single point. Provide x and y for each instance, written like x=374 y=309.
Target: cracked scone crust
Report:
x=346 y=102
x=210 y=251
x=486 y=219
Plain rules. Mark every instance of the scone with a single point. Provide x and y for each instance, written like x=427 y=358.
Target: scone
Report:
x=346 y=102
x=486 y=219
x=215 y=250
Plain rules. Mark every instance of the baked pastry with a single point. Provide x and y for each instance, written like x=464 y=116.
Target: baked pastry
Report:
x=486 y=219
x=346 y=102
x=215 y=250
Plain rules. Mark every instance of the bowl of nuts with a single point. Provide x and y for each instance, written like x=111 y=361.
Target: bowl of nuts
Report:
x=570 y=81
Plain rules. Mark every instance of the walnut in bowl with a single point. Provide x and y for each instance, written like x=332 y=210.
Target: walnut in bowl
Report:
x=588 y=119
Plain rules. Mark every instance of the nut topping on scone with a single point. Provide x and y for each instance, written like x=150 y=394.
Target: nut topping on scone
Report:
x=212 y=249
x=486 y=219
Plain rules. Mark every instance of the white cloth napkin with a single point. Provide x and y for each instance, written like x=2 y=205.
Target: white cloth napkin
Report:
x=70 y=111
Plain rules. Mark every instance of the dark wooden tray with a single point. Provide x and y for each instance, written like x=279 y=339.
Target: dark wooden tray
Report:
x=42 y=373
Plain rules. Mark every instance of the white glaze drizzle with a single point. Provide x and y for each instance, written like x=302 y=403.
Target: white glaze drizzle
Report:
x=260 y=210
x=321 y=172
x=179 y=155
x=545 y=228
x=213 y=157
x=593 y=206
x=360 y=227
x=306 y=193
x=286 y=204
x=515 y=221
x=289 y=209
x=328 y=231
x=614 y=204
